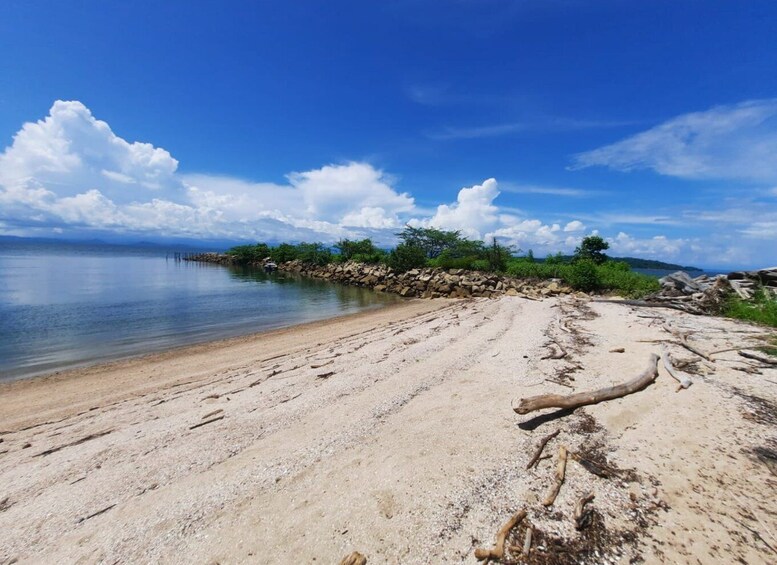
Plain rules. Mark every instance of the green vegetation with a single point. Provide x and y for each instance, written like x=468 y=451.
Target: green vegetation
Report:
x=592 y=249
x=761 y=309
x=771 y=347
x=588 y=270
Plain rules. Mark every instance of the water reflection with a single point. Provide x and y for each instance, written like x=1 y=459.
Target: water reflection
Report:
x=59 y=309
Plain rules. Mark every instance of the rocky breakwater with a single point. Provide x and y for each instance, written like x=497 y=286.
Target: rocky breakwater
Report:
x=427 y=283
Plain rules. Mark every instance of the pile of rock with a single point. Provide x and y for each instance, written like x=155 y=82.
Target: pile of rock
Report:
x=745 y=283
x=706 y=295
x=427 y=283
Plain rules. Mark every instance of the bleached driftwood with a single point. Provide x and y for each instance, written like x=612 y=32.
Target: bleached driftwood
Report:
x=684 y=380
x=759 y=358
x=561 y=470
x=527 y=541
x=571 y=401
x=683 y=337
x=542 y=445
x=581 y=516
x=498 y=551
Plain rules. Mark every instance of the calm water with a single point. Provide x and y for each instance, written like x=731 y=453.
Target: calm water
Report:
x=65 y=305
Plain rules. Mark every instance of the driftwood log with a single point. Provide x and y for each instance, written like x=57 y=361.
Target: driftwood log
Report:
x=561 y=470
x=684 y=380
x=498 y=551
x=572 y=401
x=760 y=358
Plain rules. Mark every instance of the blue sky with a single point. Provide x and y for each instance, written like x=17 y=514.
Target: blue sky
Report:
x=538 y=121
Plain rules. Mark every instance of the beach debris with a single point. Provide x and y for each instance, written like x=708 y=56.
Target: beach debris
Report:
x=72 y=443
x=558 y=382
x=213 y=396
x=325 y=375
x=526 y=549
x=683 y=337
x=289 y=398
x=593 y=467
x=683 y=379
x=209 y=414
x=561 y=468
x=582 y=514
x=498 y=551
x=756 y=357
x=319 y=365
x=93 y=514
x=5 y=504
x=618 y=350
x=206 y=422
x=536 y=457
x=354 y=558
x=576 y=400
x=560 y=354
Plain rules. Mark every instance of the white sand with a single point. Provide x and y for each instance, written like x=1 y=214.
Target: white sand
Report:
x=408 y=451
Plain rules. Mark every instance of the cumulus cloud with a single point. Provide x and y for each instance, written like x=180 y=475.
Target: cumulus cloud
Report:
x=726 y=142
x=70 y=170
x=473 y=213
x=574 y=226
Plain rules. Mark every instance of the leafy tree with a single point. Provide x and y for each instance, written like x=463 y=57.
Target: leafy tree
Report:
x=498 y=256
x=556 y=259
x=249 y=253
x=430 y=240
x=348 y=248
x=284 y=252
x=584 y=275
x=530 y=256
x=315 y=253
x=592 y=248
x=406 y=256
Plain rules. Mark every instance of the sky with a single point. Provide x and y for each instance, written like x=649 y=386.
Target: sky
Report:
x=651 y=123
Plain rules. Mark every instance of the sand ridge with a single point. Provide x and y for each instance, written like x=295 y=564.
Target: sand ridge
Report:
x=391 y=433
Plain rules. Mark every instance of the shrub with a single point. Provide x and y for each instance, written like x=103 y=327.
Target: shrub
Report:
x=762 y=308
x=584 y=276
x=592 y=248
x=349 y=249
x=314 y=253
x=617 y=276
x=406 y=257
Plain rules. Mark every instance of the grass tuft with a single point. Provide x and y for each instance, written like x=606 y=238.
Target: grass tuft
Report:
x=762 y=309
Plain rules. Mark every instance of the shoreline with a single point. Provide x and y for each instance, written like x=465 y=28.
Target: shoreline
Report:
x=87 y=373
x=314 y=441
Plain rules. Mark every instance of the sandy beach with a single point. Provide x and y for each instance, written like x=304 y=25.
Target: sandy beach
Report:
x=392 y=433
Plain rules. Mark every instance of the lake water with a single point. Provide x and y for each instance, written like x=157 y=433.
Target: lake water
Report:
x=66 y=305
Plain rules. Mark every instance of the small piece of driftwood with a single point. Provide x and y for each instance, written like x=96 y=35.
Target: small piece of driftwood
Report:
x=759 y=358
x=684 y=380
x=527 y=541
x=498 y=551
x=540 y=448
x=561 y=469
x=206 y=422
x=560 y=354
x=683 y=337
x=618 y=350
x=582 y=518
x=572 y=401
x=354 y=558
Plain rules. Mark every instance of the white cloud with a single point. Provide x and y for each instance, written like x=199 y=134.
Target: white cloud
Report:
x=574 y=225
x=473 y=212
x=726 y=142
x=70 y=169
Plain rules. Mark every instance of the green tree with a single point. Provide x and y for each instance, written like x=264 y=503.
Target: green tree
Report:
x=405 y=257
x=348 y=248
x=592 y=248
x=430 y=240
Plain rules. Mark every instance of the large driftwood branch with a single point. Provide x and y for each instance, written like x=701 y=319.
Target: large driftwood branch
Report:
x=498 y=551
x=542 y=445
x=684 y=380
x=576 y=400
x=561 y=470
x=760 y=358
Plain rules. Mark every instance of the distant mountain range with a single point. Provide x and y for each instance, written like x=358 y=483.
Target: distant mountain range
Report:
x=220 y=245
